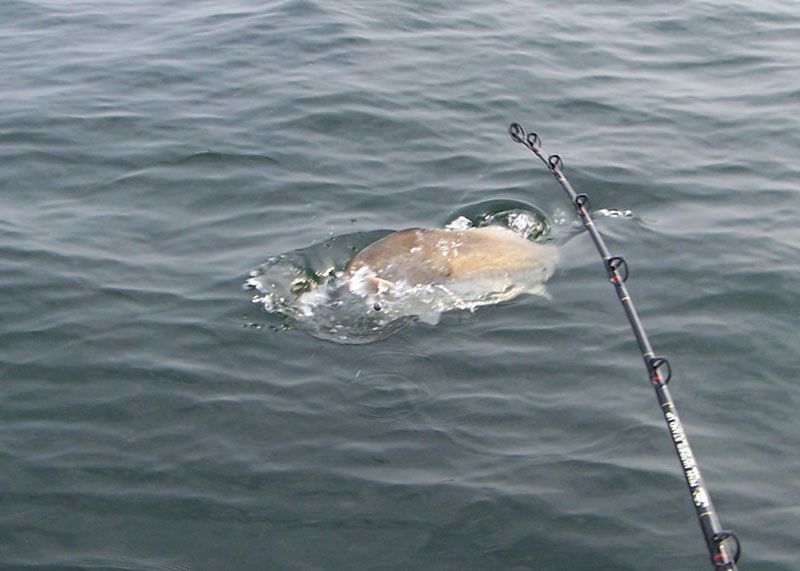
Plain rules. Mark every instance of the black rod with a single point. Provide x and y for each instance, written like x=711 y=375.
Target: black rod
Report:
x=657 y=367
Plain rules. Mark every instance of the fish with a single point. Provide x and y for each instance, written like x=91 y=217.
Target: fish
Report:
x=468 y=267
x=400 y=277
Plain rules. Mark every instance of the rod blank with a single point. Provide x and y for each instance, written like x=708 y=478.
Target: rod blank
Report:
x=658 y=368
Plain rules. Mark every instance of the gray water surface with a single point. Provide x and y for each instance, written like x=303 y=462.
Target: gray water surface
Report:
x=152 y=154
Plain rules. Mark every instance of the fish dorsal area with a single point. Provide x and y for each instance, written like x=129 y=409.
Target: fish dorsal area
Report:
x=413 y=256
x=418 y=256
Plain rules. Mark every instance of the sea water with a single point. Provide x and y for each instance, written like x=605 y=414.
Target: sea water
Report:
x=153 y=154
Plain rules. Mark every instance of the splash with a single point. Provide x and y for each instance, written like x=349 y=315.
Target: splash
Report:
x=362 y=287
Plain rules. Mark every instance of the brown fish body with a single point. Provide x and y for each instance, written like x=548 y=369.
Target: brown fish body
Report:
x=417 y=256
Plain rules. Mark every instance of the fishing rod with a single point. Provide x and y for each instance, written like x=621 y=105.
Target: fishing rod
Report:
x=658 y=368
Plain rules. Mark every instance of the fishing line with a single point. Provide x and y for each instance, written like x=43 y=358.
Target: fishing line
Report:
x=658 y=368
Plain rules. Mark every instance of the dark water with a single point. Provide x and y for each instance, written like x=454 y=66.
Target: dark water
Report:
x=152 y=154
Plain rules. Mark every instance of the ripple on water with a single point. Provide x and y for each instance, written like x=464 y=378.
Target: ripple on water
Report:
x=382 y=386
